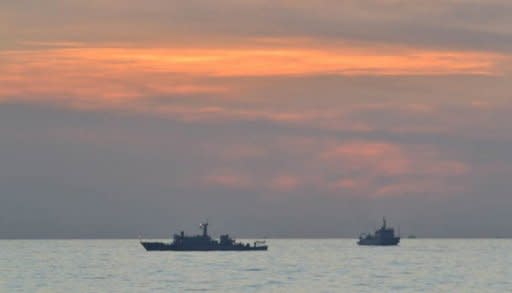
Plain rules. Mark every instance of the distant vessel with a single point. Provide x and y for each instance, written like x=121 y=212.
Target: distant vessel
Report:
x=383 y=236
x=203 y=242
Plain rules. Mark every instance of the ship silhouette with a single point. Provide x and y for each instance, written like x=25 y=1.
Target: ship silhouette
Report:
x=204 y=242
x=384 y=236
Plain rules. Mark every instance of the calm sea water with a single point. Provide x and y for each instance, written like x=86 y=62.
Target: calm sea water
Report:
x=333 y=265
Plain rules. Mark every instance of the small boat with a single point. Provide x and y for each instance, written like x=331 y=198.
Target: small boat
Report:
x=203 y=242
x=383 y=237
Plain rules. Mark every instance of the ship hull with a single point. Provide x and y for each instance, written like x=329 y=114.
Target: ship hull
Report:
x=368 y=242
x=160 y=246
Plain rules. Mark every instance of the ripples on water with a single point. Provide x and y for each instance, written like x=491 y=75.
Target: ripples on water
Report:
x=337 y=265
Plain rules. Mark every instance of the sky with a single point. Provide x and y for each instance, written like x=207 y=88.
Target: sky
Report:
x=266 y=118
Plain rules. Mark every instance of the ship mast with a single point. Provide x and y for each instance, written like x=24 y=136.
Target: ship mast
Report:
x=205 y=228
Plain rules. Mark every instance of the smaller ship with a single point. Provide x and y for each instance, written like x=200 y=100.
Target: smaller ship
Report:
x=384 y=236
x=203 y=242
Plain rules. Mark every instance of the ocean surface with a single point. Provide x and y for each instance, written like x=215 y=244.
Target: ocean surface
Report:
x=290 y=265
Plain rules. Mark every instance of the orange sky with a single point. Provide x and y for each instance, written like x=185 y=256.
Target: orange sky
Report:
x=104 y=75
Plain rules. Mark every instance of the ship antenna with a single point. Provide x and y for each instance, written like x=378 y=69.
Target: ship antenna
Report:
x=384 y=222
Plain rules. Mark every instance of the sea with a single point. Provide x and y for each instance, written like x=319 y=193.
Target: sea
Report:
x=290 y=265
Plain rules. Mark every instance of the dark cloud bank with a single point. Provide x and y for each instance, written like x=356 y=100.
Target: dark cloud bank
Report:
x=69 y=173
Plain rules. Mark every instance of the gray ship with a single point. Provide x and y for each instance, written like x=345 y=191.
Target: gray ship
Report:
x=203 y=242
x=384 y=237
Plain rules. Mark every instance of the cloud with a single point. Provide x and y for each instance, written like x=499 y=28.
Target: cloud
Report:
x=383 y=158
x=323 y=113
x=228 y=180
x=383 y=168
x=91 y=77
x=107 y=166
x=285 y=183
x=449 y=24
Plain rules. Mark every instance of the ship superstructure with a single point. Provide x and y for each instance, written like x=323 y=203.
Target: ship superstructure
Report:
x=383 y=236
